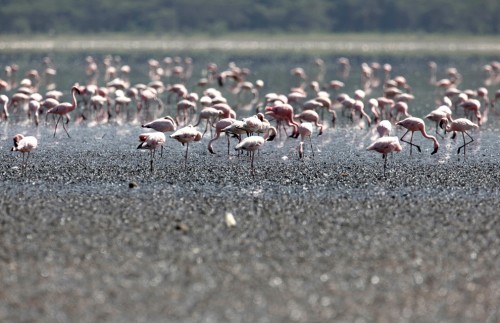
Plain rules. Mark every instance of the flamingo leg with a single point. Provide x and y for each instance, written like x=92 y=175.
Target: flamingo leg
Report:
x=251 y=166
x=410 y=142
x=64 y=127
x=55 y=129
x=228 y=143
x=186 y=156
x=385 y=162
x=465 y=143
x=26 y=162
x=311 y=142
x=206 y=128
x=151 y=160
x=161 y=151
x=437 y=131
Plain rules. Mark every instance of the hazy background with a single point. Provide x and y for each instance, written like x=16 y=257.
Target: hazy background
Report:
x=217 y=17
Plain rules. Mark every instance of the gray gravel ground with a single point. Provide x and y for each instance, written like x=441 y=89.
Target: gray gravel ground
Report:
x=320 y=240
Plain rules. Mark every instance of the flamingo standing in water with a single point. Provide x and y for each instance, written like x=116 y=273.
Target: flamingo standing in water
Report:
x=384 y=128
x=385 y=145
x=254 y=143
x=305 y=129
x=151 y=141
x=439 y=114
x=62 y=109
x=312 y=117
x=283 y=112
x=185 y=136
x=416 y=124
x=220 y=126
x=165 y=124
x=460 y=125
x=4 y=101
x=24 y=145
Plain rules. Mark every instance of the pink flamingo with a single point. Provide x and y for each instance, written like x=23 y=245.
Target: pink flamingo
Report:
x=359 y=107
x=473 y=106
x=312 y=117
x=219 y=127
x=305 y=130
x=62 y=109
x=401 y=108
x=385 y=145
x=151 y=141
x=283 y=112
x=210 y=115
x=24 y=145
x=33 y=108
x=227 y=111
x=4 y=100
x=185 y=136
x=436 y=115
x=254 y=143
x=416 y=124
x=460 y=125
x=184 y=108
x=165 y=124
x=257 y=123
x=384 y=128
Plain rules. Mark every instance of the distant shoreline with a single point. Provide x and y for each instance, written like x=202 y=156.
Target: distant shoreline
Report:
x=348 y=44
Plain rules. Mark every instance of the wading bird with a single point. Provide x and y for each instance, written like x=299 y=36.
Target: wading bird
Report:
x=24 y=145
x=416 y=124
x=385 y=145
x=305 y=129
x=165 y=124
x=62 y=109
x=185 y=136
x=254 y=143
x=151 y=141
x=459 y=125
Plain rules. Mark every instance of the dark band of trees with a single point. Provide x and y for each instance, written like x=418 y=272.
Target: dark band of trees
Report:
x=220 y=16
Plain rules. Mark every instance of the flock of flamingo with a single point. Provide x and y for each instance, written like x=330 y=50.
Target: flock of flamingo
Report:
x=310 y=105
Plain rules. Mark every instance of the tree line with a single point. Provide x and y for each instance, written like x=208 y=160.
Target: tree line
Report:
x=269 y=16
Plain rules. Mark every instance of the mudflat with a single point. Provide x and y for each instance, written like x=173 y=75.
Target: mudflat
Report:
x=89 y=234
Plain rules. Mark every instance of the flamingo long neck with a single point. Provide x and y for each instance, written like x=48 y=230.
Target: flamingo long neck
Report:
x=271 y=132
x=73 y=94
x=424 y=133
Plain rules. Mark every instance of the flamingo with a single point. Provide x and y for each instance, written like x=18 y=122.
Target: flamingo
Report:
x=438 y=114
x=305 y=129
x=4 y=100
x=473 y=106
x=359 y=106
x=165 y=124
x=312 y=117
x=254 y=143
x=219 y=127
x=401 y=108
x=185 y=136
x=460 y=125
x=416 y=124
x=33 y=108
x=385 y=145
x=24 y=145
x=210 y=115
x=384 y=128
x=62 y=109
x=151 y=141
x=283 y=112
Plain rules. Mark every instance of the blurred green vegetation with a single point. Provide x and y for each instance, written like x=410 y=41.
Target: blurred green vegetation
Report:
x=219 y=17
